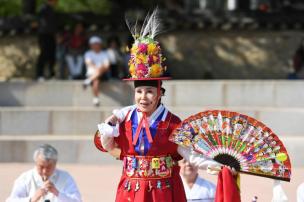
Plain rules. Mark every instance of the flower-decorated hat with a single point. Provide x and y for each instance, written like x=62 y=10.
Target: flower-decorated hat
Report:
x=146 y=59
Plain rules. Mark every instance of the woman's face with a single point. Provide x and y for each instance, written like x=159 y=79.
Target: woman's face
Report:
x=146 y=99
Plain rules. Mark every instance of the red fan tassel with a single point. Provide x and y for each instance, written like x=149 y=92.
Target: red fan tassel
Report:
x=227 y=189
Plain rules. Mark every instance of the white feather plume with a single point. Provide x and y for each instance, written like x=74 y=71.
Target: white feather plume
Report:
x=131 y=27
x=151 y=26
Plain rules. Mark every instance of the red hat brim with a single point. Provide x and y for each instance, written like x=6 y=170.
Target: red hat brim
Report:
x=147 y=79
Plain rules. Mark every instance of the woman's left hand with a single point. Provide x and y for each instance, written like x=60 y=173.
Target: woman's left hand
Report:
x=232 y=170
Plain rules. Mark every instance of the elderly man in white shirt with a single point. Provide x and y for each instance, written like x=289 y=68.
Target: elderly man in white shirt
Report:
x=197 y=189
x=45 y=183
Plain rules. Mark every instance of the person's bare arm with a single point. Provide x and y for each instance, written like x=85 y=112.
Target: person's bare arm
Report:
x=90 y=64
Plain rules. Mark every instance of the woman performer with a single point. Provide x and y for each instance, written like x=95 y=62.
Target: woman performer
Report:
x=138 y=135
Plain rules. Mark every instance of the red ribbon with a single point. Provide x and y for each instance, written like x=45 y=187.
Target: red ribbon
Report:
x=143 y=122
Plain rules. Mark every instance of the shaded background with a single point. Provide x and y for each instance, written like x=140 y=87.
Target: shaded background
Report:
x=223 y=54
x=203 y=39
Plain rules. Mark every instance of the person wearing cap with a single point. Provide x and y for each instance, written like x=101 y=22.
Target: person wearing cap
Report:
x=138 y=134
x=45 y=182
x=97 y=64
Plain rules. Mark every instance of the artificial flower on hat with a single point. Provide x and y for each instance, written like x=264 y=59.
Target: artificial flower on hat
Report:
x=146 y=59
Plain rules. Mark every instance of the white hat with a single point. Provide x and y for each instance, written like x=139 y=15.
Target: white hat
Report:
x=95 y=39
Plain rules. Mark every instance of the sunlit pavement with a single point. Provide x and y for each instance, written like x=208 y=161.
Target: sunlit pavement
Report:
x=98 y=183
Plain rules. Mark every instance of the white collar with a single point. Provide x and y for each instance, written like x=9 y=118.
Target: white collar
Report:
x=186 y=186
x=153 y=116
x=38 y=178
x=156 y=114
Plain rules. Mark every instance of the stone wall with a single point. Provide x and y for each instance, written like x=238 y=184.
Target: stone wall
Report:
x=190 y=54
x=18 y=56
x=226 y=55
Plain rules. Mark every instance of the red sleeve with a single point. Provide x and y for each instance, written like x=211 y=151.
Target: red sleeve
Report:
x=175 y=121
x=97 y=142
x=118 y=140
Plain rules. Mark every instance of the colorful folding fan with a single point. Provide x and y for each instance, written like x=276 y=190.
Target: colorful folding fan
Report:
x=236 y=140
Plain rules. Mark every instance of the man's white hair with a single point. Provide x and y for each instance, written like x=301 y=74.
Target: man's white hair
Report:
x=47 y=152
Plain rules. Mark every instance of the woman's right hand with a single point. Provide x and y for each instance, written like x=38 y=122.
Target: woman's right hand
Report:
x=111 y=120
x=110 y=127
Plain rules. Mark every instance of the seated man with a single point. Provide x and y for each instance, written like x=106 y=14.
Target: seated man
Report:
x=97 y=64
x=45 y=183
x=197 y=189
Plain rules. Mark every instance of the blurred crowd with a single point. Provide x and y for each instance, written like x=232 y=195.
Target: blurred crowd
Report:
x=75 y=55
x=71 y=49
x=75 y=52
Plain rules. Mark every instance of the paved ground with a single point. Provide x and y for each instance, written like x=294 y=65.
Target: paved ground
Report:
x=98 y=183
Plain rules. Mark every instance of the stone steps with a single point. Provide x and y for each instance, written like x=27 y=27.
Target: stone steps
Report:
x=72 y=149
x=50 y=121
x=81 y=149
x=61 y=113
x=180 y=93
x=83 y=120
x=62 y=93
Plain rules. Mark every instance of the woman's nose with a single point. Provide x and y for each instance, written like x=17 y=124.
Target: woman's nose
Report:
x=143 y=96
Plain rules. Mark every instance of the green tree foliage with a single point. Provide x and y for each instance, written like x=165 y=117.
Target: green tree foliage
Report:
x=10 y=7
x=96 y=6
x=102 y=7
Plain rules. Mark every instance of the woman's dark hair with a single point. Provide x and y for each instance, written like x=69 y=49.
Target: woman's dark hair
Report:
x=163 y=91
